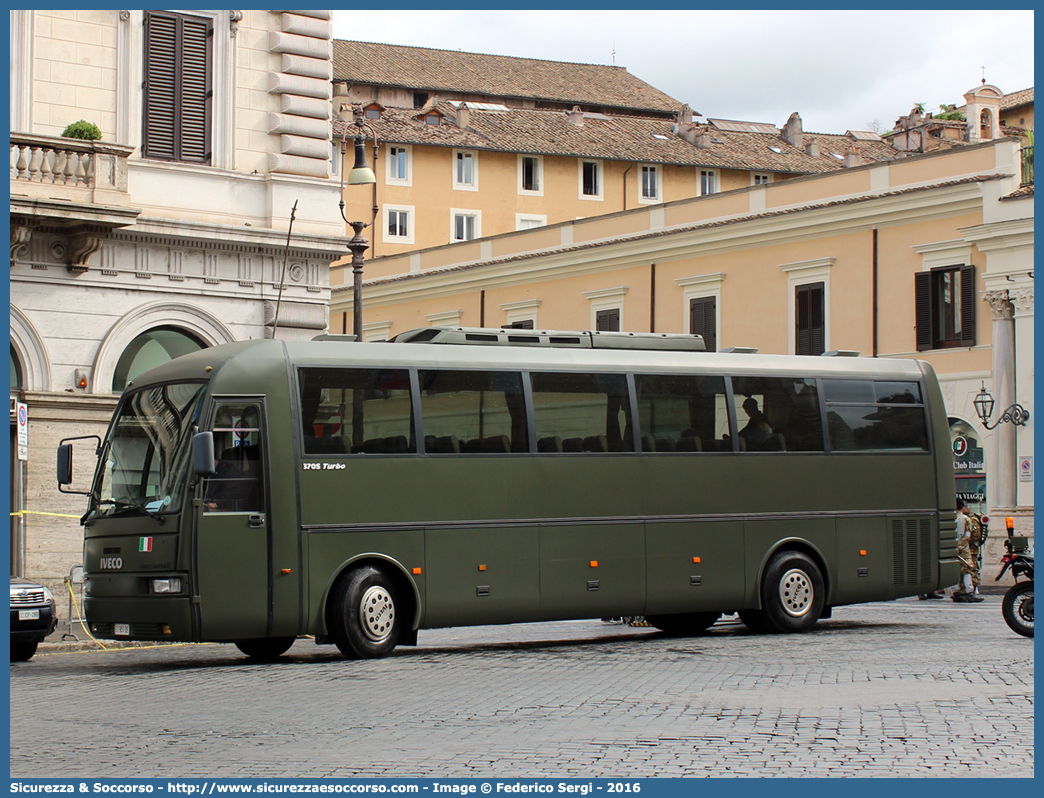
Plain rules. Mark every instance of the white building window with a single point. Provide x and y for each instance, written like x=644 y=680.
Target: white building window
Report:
x=650 y=188
x=708 y=182
x=398 y=224
x=522 y=314
x=590 y=179
x=465 y=170
x=527 y=221
x=400 y=164
x=531 y=175
x=465 y=225
x=760 y=178
x=607 y=306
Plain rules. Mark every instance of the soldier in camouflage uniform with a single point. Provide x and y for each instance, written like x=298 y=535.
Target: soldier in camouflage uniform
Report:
x=969 y=529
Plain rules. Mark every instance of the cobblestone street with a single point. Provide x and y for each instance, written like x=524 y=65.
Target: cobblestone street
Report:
x=905 y=688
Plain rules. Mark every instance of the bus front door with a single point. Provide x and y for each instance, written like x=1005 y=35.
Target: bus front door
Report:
x=232 y=536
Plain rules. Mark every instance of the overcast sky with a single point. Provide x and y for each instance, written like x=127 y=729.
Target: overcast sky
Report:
x=840 y=70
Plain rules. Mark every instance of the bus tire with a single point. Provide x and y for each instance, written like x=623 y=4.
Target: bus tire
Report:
x=363 y=614
x=265 y=649
x=793 y=592
x=688 y=624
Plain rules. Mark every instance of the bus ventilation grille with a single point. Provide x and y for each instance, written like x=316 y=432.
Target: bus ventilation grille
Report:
x=911 y=551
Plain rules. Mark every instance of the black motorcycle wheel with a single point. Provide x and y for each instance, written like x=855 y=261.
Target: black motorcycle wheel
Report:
x=1018 y=608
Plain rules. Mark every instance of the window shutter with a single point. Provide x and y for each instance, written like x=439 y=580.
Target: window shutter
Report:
x=703 y=320
x=607 y=321
x=195 y=90
x=923 y=309
x=968 y=306
x=810 y=317
x=178 y=97
x=160 y=82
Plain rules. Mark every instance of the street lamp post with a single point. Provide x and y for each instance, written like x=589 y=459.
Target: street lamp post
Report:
x=1016 y=414
x=360 y=175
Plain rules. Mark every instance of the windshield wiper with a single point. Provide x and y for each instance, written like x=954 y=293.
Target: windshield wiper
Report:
x=123 y=505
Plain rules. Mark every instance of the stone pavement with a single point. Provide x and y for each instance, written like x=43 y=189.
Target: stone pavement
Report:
x=903 y=688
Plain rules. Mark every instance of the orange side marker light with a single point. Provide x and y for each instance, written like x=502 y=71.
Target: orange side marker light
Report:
x=286 y=571
x=594 y=563
x=862 y=552
x=695 y=559
x=416 y=571
x=482 y=568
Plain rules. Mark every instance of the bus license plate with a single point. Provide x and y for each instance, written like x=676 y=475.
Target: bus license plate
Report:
x=28 y=615
x=121 y=629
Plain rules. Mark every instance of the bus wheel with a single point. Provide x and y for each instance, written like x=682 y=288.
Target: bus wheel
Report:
x=793 y=592
x=265 y=649
x=687 y=624
x=362 y=614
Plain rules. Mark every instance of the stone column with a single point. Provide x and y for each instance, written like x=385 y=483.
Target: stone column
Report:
x=1004 y=472
x=1022 y=299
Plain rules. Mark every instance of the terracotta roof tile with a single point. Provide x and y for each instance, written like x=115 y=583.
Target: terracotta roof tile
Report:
x=620 y=138
x=426 y=69
x=1017 y=98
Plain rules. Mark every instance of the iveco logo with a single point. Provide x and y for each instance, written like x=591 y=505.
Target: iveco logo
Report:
x=111 y=563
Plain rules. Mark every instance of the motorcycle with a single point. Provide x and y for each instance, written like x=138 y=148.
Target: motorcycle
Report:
x=1017 y=606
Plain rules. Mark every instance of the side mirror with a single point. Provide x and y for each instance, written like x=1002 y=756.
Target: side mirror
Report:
x=203 y=463
x=65 y=464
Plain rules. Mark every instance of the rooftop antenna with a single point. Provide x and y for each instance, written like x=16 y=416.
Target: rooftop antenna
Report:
x=282 y=278
x=614 y=53
x=983 y=75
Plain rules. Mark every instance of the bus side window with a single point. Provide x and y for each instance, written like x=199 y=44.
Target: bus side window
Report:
x=237 y=485
x=681 y=413
x=473 y=412
x=582 y=413
x=777 y=414
x=357 y=411
x=874 y=416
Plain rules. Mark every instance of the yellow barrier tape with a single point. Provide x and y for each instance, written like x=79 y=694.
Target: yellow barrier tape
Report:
x=79 y=616
x=38 y=512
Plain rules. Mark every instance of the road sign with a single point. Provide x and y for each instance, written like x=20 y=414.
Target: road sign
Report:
x=22 y=414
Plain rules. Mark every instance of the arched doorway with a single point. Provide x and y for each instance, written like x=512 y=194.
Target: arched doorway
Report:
x=969 y=465
x=150 y=349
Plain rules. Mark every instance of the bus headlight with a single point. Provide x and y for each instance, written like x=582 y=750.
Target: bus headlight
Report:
x=170 y=585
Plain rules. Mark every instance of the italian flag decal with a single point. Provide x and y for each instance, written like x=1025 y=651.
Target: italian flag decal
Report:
x=145 y=544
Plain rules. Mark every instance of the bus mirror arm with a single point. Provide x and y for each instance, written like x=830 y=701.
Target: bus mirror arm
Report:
x=203 y=464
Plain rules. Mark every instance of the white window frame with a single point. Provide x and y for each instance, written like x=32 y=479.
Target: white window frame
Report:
x=658 y=172
x=714 y=175
x=806 y=272
x=467 y=214
x=755 y=175
x=411 y=224
x=540 y=219
x=702 y=286
x=539 y=191
x=474 y=184
x=600 y=176
x=525 y=310
x=389 y=178
x=607 y=299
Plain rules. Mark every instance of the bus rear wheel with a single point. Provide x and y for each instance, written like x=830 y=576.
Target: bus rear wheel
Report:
x=362 y=616
x=265 y=649
x=793 y=593
x=688 y=624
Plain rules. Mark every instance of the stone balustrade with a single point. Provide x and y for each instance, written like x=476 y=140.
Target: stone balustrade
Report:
x=45 y=167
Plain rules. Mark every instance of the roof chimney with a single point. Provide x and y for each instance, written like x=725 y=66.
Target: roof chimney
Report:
x=792 y=132
x=576 y=116
x=852 y=157
x=685 y=115
x=812 y=149
x=463 y=119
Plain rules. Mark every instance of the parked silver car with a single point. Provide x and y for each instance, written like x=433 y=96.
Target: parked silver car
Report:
x=33 y=617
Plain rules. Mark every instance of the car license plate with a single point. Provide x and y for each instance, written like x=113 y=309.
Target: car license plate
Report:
x=28 y=615
x=122 y=629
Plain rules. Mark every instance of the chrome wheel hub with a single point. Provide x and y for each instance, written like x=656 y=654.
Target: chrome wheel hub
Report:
x=377 y=613
x=795 y=592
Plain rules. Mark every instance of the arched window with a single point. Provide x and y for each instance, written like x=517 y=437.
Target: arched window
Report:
x=150 y=349
x=16 y=370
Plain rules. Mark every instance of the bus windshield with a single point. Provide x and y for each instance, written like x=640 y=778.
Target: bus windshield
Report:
x=144 y=460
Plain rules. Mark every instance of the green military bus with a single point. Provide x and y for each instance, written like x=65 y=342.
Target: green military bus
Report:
x=357 y=492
